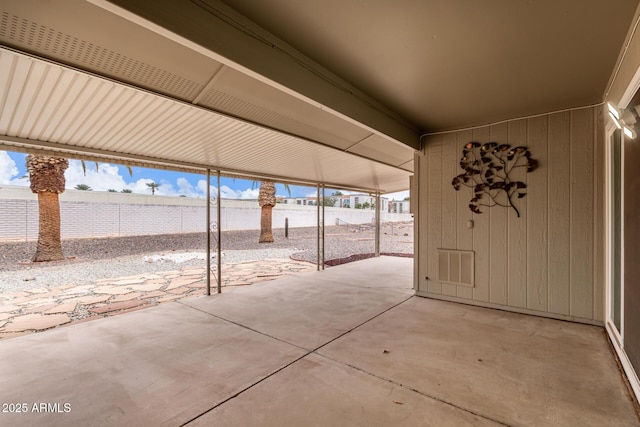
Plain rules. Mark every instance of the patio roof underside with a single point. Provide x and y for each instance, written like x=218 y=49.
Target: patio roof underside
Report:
x=325 y=91
x=82 y=81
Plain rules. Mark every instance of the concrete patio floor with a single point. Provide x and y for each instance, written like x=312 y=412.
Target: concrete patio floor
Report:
x=347 y=346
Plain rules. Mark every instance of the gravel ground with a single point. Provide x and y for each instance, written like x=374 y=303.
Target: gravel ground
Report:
x=95 y=259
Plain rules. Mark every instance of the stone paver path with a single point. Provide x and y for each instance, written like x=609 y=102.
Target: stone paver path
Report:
x=35 y=310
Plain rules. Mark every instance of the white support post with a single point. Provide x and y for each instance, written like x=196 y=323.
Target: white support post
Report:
x=323 y=223
x=219 y=221
x=318 y=226
x=208 y=219
x=378 y=224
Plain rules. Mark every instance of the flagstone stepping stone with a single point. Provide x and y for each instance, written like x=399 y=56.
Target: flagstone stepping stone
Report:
x=40 y=301
x=198 y=284
x=127 y=282
x=12 y=295
x=20 y=300
x=67 y=307
x=171 y=273
x=112 y=290
x=126 y=297
x=154 y=294
x=79 y=289
x=36 y=322
x=39 y=308
x=117 y=306
x=9 y=308
x=178 y=291
x=147 y=287
x=168 y=298
x=15 y=295
x=90 y=299
x=179 y=282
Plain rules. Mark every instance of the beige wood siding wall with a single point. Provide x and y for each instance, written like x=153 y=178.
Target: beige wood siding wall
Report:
x=549 y=261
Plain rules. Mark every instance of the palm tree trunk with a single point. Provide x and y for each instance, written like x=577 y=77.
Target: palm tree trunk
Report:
x=266 y=200
x=49 y=246
x=266 y=235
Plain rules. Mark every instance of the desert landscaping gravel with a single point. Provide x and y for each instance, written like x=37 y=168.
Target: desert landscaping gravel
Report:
x=94 y=259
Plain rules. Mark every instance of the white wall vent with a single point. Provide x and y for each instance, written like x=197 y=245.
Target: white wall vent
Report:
x=456 y=267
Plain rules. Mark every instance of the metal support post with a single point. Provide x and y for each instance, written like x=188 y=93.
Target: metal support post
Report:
x=318 y=226
x=208 y=216
x=219 y=258
x=323 y=226
x=378 y=209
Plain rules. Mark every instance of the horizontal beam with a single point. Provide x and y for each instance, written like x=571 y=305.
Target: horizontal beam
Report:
x=23 y=145
x=218 y=31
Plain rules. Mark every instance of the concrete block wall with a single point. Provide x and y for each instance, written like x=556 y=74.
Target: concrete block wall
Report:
x=86 y=214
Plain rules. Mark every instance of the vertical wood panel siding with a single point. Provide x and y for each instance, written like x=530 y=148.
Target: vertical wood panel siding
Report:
x=449 y=201
x=517 y=245
x=434 y=210
x=548 y=261
x=559 y=214
x=498 y=237
x=481 y=232
x=464 y=233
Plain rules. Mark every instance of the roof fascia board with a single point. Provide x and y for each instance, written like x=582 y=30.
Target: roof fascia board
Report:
x=214 y=29
x=17 y=144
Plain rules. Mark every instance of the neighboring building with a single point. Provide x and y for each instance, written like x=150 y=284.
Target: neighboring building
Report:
x=364 y=201
x=352 y=201
x=300 y=201
x=399 y=206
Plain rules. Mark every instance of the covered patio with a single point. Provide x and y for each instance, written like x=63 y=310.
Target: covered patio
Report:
x=367 y=97
x=350 y=345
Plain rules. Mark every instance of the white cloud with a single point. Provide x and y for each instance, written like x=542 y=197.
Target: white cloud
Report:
x=202 y=189
x=199 y=190
x=105 y=177
x=249 y=193
x=140 y=186
x=185 y=188
x=229 y=193
x=9 y=171
x=108 y=176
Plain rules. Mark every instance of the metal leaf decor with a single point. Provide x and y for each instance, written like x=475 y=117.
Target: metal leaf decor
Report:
x=486 y=170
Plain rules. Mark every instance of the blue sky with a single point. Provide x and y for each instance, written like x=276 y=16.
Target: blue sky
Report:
x=112 y=176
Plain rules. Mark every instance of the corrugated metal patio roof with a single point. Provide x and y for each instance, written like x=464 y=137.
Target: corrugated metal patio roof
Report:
x=49 y=106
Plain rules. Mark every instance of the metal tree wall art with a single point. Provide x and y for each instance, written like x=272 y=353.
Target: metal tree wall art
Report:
x=486 y=170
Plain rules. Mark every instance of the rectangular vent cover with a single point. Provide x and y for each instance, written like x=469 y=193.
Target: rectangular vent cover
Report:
x=456 y=267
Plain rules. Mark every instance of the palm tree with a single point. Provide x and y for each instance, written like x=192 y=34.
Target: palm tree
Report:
x=153 y=187
x=266 y=200
x=126 y=190
x=83 y=187
x=46 y=174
